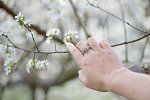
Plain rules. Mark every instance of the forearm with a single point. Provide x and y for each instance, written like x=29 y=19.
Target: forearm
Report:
x=134 y=86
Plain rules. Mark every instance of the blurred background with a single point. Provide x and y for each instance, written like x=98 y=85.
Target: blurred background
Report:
x=60 y=80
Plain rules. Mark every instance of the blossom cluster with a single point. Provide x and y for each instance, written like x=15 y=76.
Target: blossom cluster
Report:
x=7 y=51
x=71 y=37
x=20 y=19
x=9 y=65
x=51 y=34
x=37 y=64
x=9 y=54
x=68 y=37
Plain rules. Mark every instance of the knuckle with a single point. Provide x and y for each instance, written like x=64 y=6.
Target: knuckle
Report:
x=90 y=40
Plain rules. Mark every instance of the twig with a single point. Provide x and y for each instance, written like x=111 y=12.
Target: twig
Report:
x=132 y=41
x=78 y=18
x=26 y=50
x=143 y=50
x=125 y=31
x=20 y=57
x=98 y=7
x=33 y=39
x=9 y=40
x=119 y=44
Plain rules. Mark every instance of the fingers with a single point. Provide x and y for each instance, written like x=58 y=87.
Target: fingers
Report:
x=104 y=44
x=82 y=45
x=77 y=55
x=93 y=44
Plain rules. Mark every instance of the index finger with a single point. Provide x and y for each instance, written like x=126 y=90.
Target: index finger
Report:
x=77 y=55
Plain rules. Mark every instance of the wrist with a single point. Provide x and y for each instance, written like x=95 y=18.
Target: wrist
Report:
x=115 y=77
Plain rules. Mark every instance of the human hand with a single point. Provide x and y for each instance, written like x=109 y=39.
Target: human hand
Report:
x=98 y=64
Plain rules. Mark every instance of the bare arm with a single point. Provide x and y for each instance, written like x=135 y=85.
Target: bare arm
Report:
x=134 y=86
x=101 y=70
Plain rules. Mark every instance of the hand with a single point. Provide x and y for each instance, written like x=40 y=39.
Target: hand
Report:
x=97 y=65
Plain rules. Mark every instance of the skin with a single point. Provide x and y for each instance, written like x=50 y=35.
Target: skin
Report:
x=101 y=70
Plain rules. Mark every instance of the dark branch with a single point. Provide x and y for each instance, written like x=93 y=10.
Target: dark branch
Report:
x=132 y=41
x=34 y=27
x=26 y=50
x=98 y=7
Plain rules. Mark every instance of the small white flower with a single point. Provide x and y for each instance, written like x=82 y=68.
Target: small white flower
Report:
x=7 y=51
x=71 y=34
x=20 y=19
x=27 y=23
x=71 y=37
x=30 y=65
x=38 y=64
x=9 y=54
x=7 y=70
x=48 y=40
x=9 y=65
x=53 y=32
x=42 y=64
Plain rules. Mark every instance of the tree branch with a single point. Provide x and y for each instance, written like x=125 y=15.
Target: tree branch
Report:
x=78 y=18
x=26 y=50
x=34 y=27
x=98 y=7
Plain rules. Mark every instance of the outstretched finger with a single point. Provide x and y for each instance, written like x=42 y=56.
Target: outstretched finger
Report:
x=77 y=55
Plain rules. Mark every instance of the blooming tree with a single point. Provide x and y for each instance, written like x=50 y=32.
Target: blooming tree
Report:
x=14 y=54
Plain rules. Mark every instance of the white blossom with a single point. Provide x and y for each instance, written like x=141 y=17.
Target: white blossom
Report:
x=9 y=65
x=27 y=23
x=71 y=37
x=48 y=40
x=7 y=51
x=42 y=64
x=51 y=33
x=30 y=65
x=20 y=19
x=38 y=64
x=9 y=54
